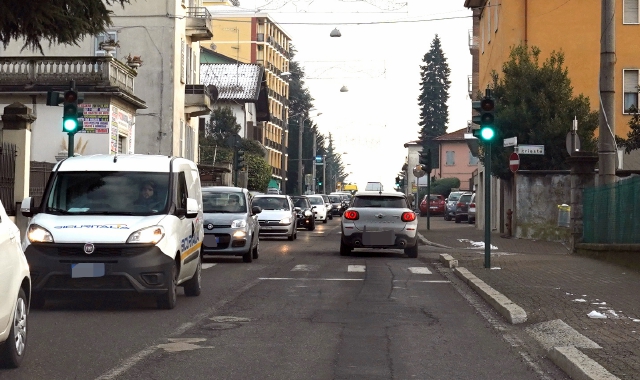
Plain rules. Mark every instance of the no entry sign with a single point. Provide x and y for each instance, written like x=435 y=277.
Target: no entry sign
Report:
x=514 y=162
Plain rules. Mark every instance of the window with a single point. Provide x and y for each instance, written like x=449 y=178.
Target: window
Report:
x=630 y=12
x=122 y=144
x=451 y=158
x=183 y=48
x=630 y=85
x=473 y=160
x=182 y=194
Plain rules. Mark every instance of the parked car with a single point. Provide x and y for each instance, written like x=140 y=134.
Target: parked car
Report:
x=319 y=207
x=471 y=218
x=231 y=226
x=462 y=207
x=278 y=217
x=436 y=205
x=15 y=285
x=379 y=220
x=328 y=205
x=305 y=217
x=337 y=206
x=450 y=206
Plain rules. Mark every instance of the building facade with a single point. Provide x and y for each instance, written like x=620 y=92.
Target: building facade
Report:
x=456 y=159
x=256 y=38
x=166 y=38
x=571 y=27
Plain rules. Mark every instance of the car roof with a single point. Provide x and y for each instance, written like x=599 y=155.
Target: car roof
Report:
x=271 y=196
x=122 y=163
x=380 y=193
x=228 y=189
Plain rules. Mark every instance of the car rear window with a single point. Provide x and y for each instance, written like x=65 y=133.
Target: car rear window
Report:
x=271 y=203
x=465 y=198
x=379 y=201
x=454 y=196
x=335 y=199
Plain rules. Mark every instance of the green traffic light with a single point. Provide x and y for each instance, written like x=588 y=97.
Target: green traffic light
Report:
x=70 y=125
x=487 y=133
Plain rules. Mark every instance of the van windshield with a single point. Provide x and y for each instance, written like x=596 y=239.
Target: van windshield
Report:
x=108 y=193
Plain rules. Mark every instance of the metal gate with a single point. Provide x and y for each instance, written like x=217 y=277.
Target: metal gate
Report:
x=38 y=179
x=8 y=176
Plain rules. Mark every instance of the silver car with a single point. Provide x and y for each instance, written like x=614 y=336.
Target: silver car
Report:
x=278 y=217
x=230 y=226
x=450 y=204
x=379 y=220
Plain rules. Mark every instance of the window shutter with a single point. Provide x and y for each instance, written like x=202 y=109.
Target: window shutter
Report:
x=631 y=81
x=182 y=61
x=181 y=138
x=495 y=19
x=630 y=12
x=488 y=10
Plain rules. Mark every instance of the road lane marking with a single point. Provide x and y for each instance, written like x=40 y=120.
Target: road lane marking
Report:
x=305 y=268
x=419 y=270
x=426 y=281
x=311 y=279
x=207 y=266
x=356 y=268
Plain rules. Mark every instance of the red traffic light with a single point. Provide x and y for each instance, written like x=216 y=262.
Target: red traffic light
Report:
x=487 y=104
x=70 y=96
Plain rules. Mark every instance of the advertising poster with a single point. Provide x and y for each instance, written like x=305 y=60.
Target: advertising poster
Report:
x=121 y=124
x=96 y=118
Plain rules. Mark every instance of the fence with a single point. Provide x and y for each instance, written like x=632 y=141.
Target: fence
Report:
x=612 y=213
x=38 y=178
x=8 y=177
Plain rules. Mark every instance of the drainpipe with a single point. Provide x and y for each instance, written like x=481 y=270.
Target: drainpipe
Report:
x=526 y=19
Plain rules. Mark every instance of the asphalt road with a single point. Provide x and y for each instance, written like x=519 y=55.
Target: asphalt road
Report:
x=301 y=311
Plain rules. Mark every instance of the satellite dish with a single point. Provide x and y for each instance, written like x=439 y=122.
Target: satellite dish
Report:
x=213 y=47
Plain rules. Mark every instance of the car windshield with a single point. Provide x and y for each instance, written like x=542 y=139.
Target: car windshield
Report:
x=108 y=193
x=223 y=202
x=300 y=202
x=379 y=201
x=335 y=199
x=316 y=200
x=271 y=203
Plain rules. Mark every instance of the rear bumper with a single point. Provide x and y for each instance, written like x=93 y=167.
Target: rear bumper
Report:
x=119 y=268
x=355 y=240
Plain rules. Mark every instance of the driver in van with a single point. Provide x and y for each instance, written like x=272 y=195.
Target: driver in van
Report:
x=147 y=197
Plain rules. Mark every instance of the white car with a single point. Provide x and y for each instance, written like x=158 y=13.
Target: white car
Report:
x=15 y=292
x=319 y=207
x=278 y=217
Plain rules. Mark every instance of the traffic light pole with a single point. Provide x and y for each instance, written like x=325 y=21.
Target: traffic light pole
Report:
x=487 y=205
x=71 y=144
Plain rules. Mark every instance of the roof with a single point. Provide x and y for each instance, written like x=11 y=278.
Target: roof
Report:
x=381 y=193
x=233 y=81
x=124 y=163
x=453 y=136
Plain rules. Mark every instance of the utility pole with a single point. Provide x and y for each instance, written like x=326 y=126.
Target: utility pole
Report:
x=313 y=175
x=324 y=172
x=606 y=141
x=300 y=174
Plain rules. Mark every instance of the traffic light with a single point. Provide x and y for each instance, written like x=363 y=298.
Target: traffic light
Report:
x=319 y=182
x=398 y=181
x=240 y=164
x=425 y=160
x=71 y=113
x=485 y=118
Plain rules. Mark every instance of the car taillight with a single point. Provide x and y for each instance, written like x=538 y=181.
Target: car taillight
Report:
x=408 y=216
x=351 y=215
x=472 y=205
x=460 y=204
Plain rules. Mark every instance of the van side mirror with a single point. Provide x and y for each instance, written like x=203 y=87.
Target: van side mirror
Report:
x=255 y=210
x=26 y=207
x=192 y=208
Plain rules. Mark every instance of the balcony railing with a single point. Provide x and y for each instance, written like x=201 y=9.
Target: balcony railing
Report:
x=91 y=71
x=473 y=40
x=198 y=25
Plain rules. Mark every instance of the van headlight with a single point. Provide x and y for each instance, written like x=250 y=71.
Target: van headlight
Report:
x=37 y=234
x=239 y=223
x=148 y=235
x=286 y=220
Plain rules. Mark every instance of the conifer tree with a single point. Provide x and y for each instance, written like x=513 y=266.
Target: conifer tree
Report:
x=434 y=92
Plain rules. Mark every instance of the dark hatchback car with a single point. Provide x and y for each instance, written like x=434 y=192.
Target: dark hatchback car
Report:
x=304 y=212
x=337 y=206
x=462 y=207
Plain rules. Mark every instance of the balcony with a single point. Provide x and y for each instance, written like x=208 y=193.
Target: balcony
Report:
x=198 y=24
x=473 y=41
x=197 y=100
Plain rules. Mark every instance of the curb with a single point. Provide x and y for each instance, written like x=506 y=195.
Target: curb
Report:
x=512 y=312
x=427 y=242
x=578 y=365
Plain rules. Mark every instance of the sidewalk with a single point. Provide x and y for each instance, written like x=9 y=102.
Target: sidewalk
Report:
x=550 y=284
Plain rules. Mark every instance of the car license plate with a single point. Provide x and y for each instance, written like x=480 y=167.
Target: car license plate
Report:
x=211 y=241
x=80 y=270
x=378 y=238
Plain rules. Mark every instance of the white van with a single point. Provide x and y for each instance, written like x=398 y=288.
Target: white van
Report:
x=130 y=223
x=373 y=186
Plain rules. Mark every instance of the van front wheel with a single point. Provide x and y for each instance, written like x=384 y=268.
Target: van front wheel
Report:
x=193 y=286
x=168 y=300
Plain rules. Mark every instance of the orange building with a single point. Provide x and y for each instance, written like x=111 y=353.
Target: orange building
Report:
x=572 y=27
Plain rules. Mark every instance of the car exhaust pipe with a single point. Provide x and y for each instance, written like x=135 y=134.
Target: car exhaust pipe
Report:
x=402 y=243
x=357 y=243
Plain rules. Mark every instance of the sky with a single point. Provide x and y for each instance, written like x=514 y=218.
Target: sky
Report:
x=379 y=62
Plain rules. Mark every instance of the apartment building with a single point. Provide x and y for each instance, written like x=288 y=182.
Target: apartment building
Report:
x=256 y=38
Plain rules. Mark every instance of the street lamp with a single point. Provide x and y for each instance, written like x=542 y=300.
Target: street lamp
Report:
x=302 y=119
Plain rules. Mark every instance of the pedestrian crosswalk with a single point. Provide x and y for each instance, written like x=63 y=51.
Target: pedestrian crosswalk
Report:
x=351 y=268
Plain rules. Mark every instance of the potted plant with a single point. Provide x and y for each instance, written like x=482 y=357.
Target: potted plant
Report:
x=133 y=61
x=109 y=45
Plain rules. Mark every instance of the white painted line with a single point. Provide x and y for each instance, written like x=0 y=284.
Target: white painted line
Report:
x=426 y=281
x=356 y=268
x=311 y=279
x=419 y=270
x=207 y=266
x=305 y=268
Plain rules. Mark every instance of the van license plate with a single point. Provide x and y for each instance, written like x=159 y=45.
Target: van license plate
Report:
x=210 y=241
x=80 y=270
x=378 y=238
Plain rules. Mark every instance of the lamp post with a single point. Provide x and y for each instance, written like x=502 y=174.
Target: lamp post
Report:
x=301 y=121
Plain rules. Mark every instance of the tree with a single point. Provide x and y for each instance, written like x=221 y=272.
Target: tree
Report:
x=213 y=142
x=632 y=142
x=259 y=173
x=434 y=93
x=535 y=103
x=335 y=167
x=63 y=22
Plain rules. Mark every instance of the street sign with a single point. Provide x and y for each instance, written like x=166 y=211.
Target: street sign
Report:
x=572 y=142
x=514 y=162
x=530 y=149
x=511 y=141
